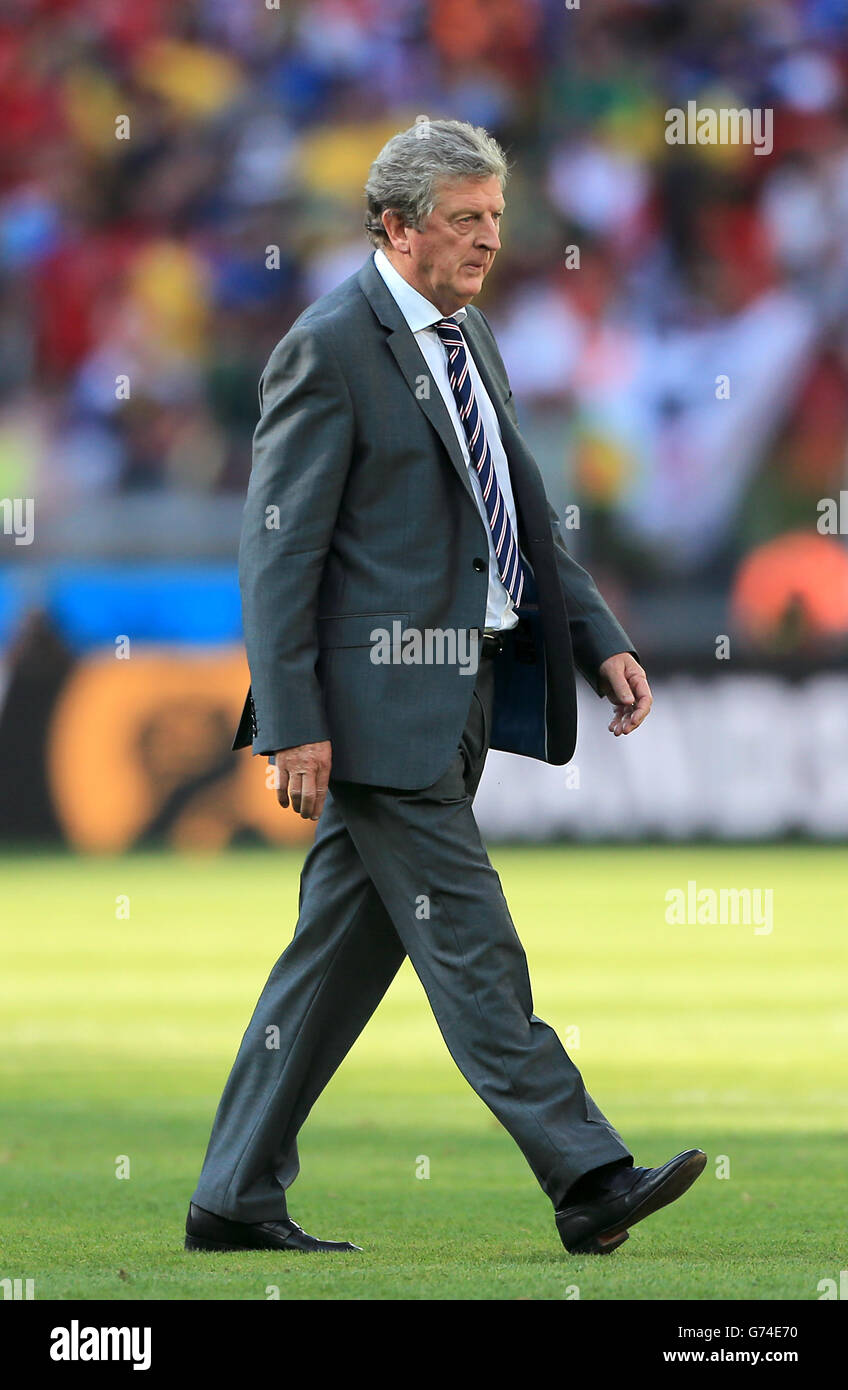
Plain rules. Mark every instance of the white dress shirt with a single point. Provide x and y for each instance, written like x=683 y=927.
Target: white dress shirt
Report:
x=421 y=315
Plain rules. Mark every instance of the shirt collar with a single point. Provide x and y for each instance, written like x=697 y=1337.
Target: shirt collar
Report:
x=418 y=311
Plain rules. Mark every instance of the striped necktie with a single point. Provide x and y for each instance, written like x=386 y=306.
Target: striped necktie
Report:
x=510 y=567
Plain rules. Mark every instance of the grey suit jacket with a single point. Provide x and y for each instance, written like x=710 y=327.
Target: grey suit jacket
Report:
x=360 y=513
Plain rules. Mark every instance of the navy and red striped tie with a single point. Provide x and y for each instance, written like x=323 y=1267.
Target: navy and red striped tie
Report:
x=510 y=567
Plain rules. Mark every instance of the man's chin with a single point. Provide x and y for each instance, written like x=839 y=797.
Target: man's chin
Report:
x=468 y=283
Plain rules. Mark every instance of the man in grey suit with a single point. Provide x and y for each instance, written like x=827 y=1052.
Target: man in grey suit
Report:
x=409 y=603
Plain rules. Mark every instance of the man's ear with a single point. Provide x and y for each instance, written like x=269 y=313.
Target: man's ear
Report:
x=398 y=230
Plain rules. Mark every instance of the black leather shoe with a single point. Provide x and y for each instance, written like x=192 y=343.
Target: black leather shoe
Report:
x=598 y=1225
x=206 y=1231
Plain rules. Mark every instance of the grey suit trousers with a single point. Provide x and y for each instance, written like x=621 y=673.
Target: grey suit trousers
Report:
x=394 y=873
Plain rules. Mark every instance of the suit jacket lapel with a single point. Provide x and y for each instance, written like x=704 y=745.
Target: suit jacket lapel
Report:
x=409 y=358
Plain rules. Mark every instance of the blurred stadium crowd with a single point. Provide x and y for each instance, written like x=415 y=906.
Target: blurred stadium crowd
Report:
x=253 y=127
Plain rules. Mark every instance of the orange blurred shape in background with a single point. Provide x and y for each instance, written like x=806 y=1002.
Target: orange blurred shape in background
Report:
x=799 y=580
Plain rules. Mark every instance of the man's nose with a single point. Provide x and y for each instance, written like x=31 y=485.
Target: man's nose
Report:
x=488 y=235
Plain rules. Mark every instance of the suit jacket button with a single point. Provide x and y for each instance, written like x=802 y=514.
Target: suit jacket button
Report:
x=479 y=564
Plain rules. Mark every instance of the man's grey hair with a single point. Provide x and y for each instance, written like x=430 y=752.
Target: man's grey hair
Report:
x=408 y=173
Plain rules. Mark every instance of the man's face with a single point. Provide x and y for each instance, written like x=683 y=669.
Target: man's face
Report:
x=448 y=260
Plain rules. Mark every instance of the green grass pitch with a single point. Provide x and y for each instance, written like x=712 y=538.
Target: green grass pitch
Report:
x=118 y=1034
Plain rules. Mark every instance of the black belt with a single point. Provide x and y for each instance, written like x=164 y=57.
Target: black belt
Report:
x=490 y=646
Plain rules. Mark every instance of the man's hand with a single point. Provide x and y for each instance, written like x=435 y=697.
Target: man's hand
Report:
x=303 y=773
x=624 y=682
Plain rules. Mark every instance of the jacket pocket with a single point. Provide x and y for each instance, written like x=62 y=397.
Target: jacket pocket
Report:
x=355 y=629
